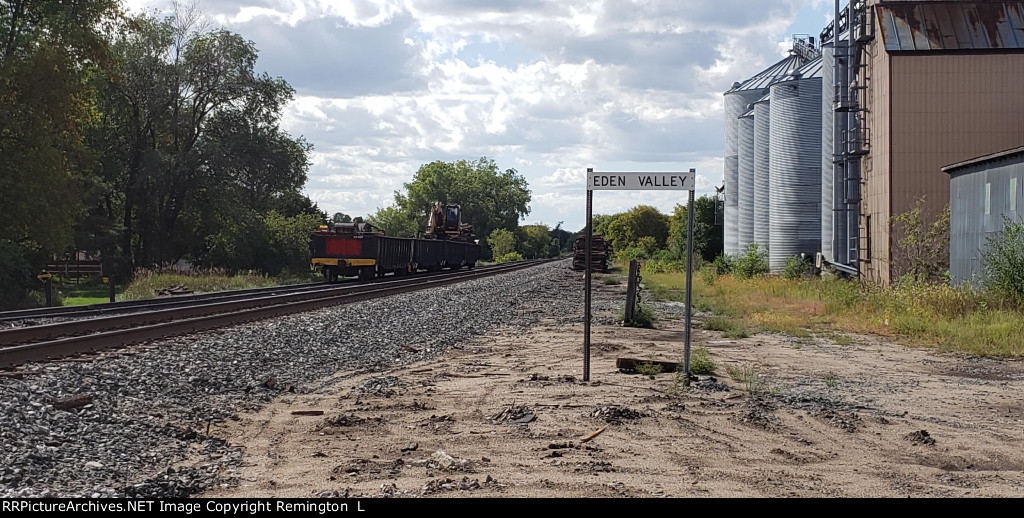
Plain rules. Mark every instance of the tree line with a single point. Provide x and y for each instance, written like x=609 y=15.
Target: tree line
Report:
x=644 y=232
x=148 y=140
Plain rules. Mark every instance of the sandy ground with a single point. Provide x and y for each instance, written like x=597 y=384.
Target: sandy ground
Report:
x=507 y=415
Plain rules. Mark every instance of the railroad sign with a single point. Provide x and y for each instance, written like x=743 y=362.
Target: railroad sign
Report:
x=641 y=181
x=636 y=182
x=44 y=276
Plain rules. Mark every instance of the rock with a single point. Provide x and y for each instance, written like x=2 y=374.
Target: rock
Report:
x=93 y=465
x=411 y=446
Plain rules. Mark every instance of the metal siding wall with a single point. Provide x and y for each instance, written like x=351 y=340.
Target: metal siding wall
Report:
x=762 y=123
x=969 y=225
x=794 y=171
x=745 y=183
x=827 y=171
x=735 y=105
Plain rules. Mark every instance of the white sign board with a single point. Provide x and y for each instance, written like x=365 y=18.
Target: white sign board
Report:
x=641 y=181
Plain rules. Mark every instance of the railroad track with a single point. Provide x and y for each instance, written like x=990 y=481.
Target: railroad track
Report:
x=43 y=342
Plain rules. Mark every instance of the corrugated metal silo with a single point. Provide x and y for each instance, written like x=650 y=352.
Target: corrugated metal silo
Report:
x=736 y=101
x=745 y=181
x=762 y=110
x=827 y=170
x=794 y=165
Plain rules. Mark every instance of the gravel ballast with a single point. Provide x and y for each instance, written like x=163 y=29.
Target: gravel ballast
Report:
x=117 y=425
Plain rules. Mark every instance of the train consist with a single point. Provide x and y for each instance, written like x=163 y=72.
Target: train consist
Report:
x=600 y=254
x=362 y=250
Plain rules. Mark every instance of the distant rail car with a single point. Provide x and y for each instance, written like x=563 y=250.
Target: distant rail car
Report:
x=600 y=254
x=361 y=250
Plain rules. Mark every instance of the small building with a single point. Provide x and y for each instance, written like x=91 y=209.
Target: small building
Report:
x=982 y=191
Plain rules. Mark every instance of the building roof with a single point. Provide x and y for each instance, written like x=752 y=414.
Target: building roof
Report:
x=810 y=70
x=953 y=168
x=766 y=77
x=938 y=26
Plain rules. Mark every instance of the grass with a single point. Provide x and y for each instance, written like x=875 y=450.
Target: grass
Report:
x=701 y=362
x=147 y=283
x=753 y=381
x=950 y=319
x=85 y=294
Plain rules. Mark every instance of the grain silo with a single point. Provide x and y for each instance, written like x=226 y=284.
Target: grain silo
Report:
x=762 y=120
x=745 y=180
x=794 y=164
x=737 y=101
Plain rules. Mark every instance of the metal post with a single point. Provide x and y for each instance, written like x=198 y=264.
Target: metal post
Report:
x=586 y=282
x=110 y=282
x=634 y=268
x=689 y=284
x=49 y=293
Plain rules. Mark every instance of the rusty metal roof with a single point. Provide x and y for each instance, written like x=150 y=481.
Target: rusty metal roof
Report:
x=931 y=26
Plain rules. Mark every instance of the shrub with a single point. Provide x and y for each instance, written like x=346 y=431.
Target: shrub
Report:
x=701 y=362
x=1002 y=262
x=797 y=267
x=722 y=265
x=643 y=316
x=752 y=263
x=509 y=257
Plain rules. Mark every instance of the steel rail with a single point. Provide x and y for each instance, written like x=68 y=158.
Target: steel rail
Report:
x=106 y=339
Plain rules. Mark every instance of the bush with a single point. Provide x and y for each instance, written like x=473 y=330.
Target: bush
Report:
x=722 y=265
x=797 y=267
x=508 y=258
x=17 y=278
x=752 y=263
x=643 y=316
x=701 y=362
x=1002 y=262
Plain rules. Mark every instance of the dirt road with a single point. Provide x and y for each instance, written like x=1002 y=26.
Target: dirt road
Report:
x=508 y=416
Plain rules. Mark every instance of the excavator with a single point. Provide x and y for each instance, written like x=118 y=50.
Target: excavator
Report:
x=446 y=223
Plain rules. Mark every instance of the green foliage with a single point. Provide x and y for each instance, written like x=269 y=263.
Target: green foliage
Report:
x=341 y=217
x=722 y=265
x=731 y=327
x=394 y=222
x=489 y=198
x=648 y=368
x=503 y=242
x=797 y=267
x=508 y=258
x=707 y=237
x=643 y=316
x=17 y=277
x=642 y=226
x=701 y=362
x=535 y=241
x=1002 y=262
x=922 y=247
x=752 y=263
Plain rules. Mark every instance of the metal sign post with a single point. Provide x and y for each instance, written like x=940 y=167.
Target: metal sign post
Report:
x=638 y=182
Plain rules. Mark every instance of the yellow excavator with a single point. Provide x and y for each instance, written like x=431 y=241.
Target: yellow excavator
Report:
x=446 y=223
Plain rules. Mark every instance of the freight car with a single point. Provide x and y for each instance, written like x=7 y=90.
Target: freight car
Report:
x=600 y=254
x=362 y=250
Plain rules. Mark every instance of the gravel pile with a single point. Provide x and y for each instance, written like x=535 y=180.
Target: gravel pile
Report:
x=138 y=414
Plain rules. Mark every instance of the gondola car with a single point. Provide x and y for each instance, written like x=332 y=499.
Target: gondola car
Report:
x=362 y=250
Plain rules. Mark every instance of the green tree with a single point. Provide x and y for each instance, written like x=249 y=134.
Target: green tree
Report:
x=627 y=229
x=394 y=221
x=707 y=237
x=535 y=240
x=922 y=247
x=489 y=198
x=1002 y=262
x=341 y=217
x=48 y=52
x=503 y=242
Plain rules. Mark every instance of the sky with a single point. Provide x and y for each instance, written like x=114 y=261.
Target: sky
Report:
x=548 y=88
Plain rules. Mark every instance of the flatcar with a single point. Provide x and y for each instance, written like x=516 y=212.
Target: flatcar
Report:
x=362 y=250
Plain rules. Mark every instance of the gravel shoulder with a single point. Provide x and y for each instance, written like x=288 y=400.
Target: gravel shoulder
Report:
x=504 y=413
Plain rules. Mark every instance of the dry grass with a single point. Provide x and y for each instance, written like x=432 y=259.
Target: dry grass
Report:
x=952 y=319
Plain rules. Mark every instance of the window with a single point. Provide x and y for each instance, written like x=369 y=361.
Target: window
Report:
x=1013 y=194
x=988 y=198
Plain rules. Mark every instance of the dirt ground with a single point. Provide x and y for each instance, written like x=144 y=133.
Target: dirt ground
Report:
x=507 y=415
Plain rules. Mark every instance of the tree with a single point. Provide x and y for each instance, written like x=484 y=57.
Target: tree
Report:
x=341 y=217
x=922 y=248
x=503 y=242
x=1002 y=262
x=535 y=240
x=48 y=52
x=626 y=230
x=707 y=237
x=490 y=199
x=394 y=221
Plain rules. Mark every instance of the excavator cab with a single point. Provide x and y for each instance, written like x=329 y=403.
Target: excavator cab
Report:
x=446 y=223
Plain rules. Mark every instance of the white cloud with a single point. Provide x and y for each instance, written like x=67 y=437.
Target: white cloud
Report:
x=546 y=87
